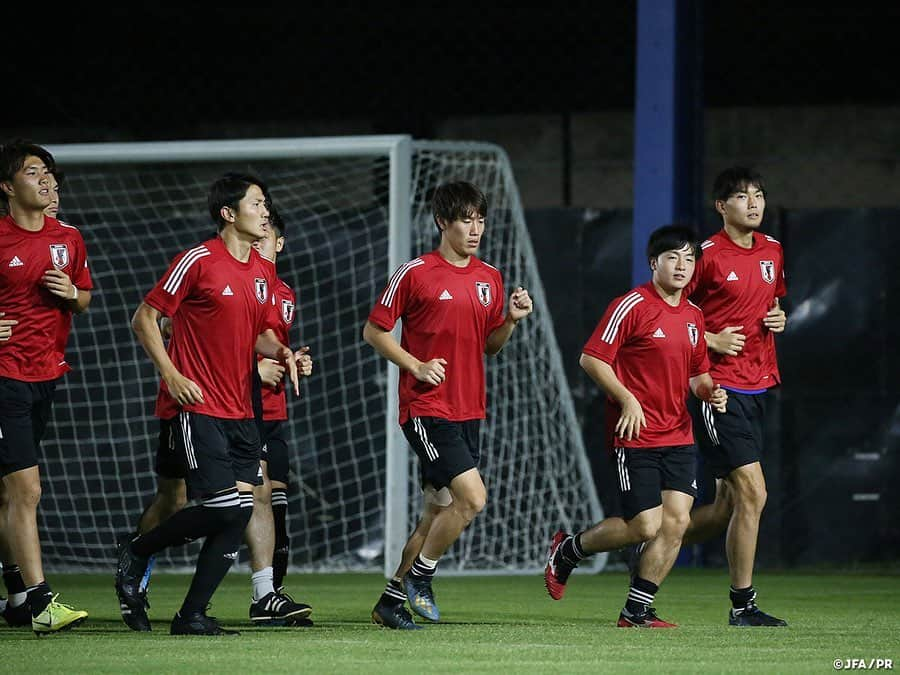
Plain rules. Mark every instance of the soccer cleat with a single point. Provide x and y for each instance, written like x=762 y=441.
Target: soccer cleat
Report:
x=296 y=621
x=17 y=617
x=56 y=617
x=198 y=623
x=646 y=619
x=751 y=615
x=129 y=573
x=421 y=597
x=277 y=609
x=393 y=616
x=558 y=568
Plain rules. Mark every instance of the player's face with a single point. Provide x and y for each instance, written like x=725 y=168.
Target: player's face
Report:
x=31 y=184
x=53 y=208
x=252 y=215
x=672 y=270
x=464 y=235
x=269 y=245
x=744 y=208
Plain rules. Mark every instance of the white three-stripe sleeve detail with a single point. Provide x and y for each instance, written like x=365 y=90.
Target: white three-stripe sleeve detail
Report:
x=177 y=275
x=394 y=283
x=612 y=328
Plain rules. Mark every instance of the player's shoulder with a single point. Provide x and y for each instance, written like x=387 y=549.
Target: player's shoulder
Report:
x=691 y=308
x=623 y=304
x=482 y=265
x=284 y=287
x=416 y=266
x=770 y=242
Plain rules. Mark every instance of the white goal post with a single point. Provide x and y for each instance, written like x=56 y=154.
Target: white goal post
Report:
x=355 y=209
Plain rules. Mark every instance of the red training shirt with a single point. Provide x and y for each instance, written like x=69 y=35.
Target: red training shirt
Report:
x=737 y=286
x=218 y=306
x=654 y=349
x=274 y=400
x=36 y=350
x=448 y=312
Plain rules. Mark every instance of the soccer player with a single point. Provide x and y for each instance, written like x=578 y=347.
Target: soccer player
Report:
x=266 y=534
x=738 y=284
x=451 y=304
x=44 y=279
x=645 y=353
x=224 y=283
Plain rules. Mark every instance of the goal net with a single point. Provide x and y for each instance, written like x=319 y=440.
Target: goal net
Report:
x=354 y=208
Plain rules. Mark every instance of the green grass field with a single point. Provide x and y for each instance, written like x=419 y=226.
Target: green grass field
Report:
x=492 y=624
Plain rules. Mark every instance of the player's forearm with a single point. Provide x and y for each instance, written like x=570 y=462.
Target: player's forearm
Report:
x=499 y=337
x=268 y=345
x=605 y=377
x=80 y=303
x=702 y=386
x=387 y=346
x=145 y=327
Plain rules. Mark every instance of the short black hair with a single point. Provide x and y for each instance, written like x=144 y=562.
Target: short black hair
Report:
x=12 y=158
x=735 y=179
x=672 y=238
x=228 y=191
x=457 y=200
x=275 y=221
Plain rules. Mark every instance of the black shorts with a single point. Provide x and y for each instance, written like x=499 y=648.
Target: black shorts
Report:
x=275 y=449
x=445 y=449
x=734 y=438
x=24 y=412
x=218 y=453
x=645 y=472
x=170 y=460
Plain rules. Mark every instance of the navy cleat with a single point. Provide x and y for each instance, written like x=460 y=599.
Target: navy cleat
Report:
x=751 y=615
x=17 y=617
x=198 y=624
x=129 y=573
x=393 y=616
x=421 y=597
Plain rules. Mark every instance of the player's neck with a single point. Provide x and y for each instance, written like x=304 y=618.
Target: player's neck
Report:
x=741 y=236
x=451 y=256
x=27 y=219
x=237 y=244
x=671 y=296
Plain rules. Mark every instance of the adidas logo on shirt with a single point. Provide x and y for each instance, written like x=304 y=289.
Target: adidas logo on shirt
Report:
x=659 y=333
x=731 y=276
x=445 y=295
x=694 y=483
x=227 y=291
x=15 y=262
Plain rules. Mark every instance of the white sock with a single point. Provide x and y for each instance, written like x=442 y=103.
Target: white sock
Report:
x=262 y=583
x=428 y=561
x=16 y=599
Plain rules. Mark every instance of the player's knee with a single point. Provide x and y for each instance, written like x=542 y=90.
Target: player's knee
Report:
x=678 y=523
x=26 y=496
x=752 y=496
x=471 y=505
x=644 y=528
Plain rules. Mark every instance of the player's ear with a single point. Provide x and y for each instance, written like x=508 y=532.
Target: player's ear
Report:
x=7 y=188
x=720 y=207
x=441 y=223
x=279 y=244
x=227 y=214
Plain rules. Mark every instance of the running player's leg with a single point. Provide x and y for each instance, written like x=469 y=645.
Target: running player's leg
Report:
x=16 y=611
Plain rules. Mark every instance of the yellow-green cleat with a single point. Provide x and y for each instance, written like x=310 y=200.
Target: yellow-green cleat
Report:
x=56 y=617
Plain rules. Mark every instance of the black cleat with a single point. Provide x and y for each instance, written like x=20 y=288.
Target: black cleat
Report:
x=17 y=617
x=198 y=624
x=393 y=616
x=278 y=609
x=751 y=615
x=129 y=573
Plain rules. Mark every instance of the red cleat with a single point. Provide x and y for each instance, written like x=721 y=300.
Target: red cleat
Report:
x=646 y=620
x=558 y=569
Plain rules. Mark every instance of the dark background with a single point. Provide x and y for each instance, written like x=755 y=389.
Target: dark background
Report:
x=125 y=74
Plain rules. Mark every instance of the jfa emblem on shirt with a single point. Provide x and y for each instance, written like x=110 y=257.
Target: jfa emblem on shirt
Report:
x=59 y=255
x=767 y=267
x=693 y=334
x=484 y=292
x=287 y=311
x=262 y=290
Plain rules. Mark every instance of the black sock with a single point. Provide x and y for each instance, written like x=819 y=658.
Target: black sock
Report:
x=393 y=593
x=572 y=551
x=218 y=554
x=39 y=597
x=12 y=579
x=281 y=556
x=742 y=597
x=186 y=525
x=421 y=569
x=640 y=596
